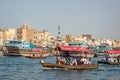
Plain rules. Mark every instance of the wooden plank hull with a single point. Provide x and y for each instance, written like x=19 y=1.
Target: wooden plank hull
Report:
x=35 y=57
x=71 y=67
x=110 y=63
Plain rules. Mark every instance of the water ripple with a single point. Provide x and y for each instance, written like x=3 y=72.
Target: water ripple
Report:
x=20 y=68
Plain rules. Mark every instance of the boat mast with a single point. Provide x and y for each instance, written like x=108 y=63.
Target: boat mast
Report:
x=58 y=40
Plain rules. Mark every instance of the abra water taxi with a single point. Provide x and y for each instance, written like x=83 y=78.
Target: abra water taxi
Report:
x=110 y=60
x=69 y=62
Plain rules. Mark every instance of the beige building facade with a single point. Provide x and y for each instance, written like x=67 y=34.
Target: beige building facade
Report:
x=39 y=38
x=10 y=34
x=1 y=37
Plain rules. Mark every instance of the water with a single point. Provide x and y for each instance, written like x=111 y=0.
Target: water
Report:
x=21 y=68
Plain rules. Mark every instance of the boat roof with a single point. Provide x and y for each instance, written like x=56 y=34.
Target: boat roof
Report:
x=114 y=51
x=73 y=48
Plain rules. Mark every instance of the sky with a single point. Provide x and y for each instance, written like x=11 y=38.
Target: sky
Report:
x=101 y=18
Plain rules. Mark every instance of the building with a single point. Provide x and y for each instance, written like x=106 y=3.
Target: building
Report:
x=68 y=38
x=10 y=34
x=39 y=38
x=1 y=37
x=24 y=32
x=87 y=36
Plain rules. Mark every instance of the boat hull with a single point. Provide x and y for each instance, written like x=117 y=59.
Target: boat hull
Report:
x=12 y=51
x=45 y=55
x=15 y=51
x=35 y=57
x=110 y=63
x=71 y=67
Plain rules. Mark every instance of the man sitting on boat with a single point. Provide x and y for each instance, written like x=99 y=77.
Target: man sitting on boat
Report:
x=86 y=61
x=62 y=60
x=109 y=59
x=118 y=58
x=68 y=61
x=73 y=61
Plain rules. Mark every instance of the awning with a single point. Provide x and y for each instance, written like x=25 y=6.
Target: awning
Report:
x=73 y=48
x=114 y=51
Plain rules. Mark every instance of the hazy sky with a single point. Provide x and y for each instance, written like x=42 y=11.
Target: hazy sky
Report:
x=101 y=18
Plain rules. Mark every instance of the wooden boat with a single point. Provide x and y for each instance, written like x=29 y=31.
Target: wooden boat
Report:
x=58 y=65
x=69 y=67
x=110 y=63
x=38 y=54
x=113 y=53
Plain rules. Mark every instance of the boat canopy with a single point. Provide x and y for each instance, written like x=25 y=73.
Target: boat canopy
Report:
x=74 y=48
x=114 y=51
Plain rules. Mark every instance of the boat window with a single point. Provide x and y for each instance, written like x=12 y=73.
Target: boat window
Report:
x=19 y=42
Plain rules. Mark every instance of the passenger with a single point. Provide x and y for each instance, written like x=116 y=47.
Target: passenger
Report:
x=118 y=59
x=81 y=60
x=62 y=61
x=67 y=60
x=86 y=61
x=104 y=59
x=78 y=61
x=59 y=60
x=115 y=60
x=75 y=61
x=107 y=58
x=71 y=60
x=111 y=60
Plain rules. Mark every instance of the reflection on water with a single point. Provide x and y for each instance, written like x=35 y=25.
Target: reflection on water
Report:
x=20 y=68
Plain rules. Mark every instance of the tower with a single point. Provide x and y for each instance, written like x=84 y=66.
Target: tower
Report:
x=59 y=36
